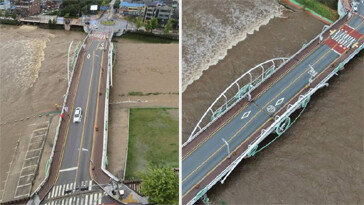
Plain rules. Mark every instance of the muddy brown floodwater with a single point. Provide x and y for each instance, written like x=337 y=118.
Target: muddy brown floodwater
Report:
x=320 y=158
x=32 y=79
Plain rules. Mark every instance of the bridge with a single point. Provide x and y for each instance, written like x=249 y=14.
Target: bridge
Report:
x=264 y=101
x=76 y=170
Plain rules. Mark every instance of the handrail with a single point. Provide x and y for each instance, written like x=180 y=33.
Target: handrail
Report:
x=59 y=123
x=195 y=133
x=243 y=91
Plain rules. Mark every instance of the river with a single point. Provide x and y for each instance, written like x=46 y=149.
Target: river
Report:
x=319 y=159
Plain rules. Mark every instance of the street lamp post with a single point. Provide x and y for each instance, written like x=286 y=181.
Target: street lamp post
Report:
x=227 y=145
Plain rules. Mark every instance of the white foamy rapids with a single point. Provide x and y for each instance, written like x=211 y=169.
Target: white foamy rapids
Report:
x=210 y=32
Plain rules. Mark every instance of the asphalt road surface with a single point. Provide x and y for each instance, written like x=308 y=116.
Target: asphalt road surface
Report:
x=75 y=165
x=199 y=162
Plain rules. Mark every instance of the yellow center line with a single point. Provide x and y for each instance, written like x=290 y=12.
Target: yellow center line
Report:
x=86 y=111
x=70 y=109
x=96 y=114
x=227 y=156
x=261 y=93
x=267 y=105
x=236 y=133
x=266 y=121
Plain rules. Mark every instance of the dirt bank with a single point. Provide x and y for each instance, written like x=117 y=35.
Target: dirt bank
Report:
x=145 y=75
x=145 y=71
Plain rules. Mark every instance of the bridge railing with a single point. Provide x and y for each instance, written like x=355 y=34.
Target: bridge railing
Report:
x=50 y=160
x=204 y=119
x=104 y=159
x=235 y=92
x=277 y=121
x=265 y=132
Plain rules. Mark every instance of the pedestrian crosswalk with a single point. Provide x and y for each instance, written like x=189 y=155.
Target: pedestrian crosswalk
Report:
x=343 y=39
x=67 y=189
x=99 y=35
x=85 y=199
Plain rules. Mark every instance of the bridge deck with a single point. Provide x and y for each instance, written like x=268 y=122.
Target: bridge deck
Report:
x=206 y=156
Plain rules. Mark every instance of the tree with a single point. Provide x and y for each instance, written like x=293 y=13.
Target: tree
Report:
x=161 y=185
x=139 y=22
x=13 y=15
x=117 y=4
x=148 y=25
x=154 y=22
x=105 y=2
x=168 y=26
x=1 y=13
x=7 y=14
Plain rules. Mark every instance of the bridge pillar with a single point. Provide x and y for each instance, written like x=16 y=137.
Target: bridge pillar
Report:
x=67 y=27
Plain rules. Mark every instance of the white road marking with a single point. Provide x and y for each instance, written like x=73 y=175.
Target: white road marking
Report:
x=86 y=199
x=56 y=191
x=279 y=101
x=53 y=190
x=271 y=109
x=60 y=190
x=100 y=197
x=68 y=169
x=91 y=198
x=90 y=185
x=312 y=72
x=245 y=115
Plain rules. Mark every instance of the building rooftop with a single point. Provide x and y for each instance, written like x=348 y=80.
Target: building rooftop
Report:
x=127 y=4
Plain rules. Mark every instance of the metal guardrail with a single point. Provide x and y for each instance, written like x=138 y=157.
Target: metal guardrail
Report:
x=265 y=132
x=59 y=124
x=106 y=113
x=242 y=92
x=196 y=132
x=270 y=129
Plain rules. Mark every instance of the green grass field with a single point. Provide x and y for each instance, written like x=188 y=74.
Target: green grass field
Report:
x=153 y=140
x=320 y=8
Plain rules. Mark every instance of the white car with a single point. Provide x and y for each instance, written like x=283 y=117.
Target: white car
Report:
x=77 y=116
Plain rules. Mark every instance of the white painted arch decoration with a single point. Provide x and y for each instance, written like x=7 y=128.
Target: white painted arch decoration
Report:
x=235 y=92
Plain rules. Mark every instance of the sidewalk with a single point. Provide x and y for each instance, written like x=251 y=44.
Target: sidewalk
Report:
x=59 y=147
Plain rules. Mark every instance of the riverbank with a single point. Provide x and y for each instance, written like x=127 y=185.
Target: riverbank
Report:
x=150 y=37
x=318 y=159
x=145 y=75
x=153 y=140
x=209 y=31
x=33 y=79
x=315 y=8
